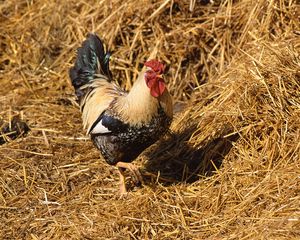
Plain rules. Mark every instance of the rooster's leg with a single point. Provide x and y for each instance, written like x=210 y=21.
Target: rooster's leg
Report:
x=133 y=169
x=122 y=181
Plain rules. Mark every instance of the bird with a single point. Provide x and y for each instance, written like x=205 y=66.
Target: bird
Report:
x=121 y=124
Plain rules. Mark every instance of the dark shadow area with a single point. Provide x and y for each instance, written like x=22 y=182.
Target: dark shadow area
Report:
x=12 y=130
x=174 y=160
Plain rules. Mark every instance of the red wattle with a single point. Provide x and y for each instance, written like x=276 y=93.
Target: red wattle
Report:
x=157 y=88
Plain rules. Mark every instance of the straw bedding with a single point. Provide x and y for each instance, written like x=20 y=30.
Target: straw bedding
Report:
x=229 y=169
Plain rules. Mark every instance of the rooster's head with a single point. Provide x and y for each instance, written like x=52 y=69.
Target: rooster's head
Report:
x=154 y=77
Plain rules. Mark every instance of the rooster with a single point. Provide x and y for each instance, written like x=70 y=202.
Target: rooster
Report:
x=121 y=124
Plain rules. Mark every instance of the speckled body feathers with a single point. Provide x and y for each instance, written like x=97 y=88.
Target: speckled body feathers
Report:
x=128 y=141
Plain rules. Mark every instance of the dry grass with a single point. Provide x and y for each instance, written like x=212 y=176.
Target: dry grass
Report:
x=231 y=168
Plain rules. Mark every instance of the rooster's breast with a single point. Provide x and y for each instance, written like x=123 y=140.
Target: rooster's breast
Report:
x=126 y=145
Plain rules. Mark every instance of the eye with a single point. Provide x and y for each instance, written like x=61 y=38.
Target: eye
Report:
x=161 y=68
x=150 y=74
x=150 y=77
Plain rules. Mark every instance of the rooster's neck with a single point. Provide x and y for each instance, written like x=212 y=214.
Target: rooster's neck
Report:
x=139 y=106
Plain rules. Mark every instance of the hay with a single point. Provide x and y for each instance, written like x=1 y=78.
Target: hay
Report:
x=230 y=167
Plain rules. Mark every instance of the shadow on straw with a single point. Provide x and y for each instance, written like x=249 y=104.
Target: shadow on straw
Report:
x=174 y=160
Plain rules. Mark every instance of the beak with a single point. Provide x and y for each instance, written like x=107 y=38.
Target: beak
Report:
x=160 y=76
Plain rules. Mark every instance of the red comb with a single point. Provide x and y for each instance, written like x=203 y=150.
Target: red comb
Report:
x=155 y=65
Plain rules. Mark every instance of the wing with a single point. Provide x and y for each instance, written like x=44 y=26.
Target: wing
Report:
x=100 y=94
x=108 y=124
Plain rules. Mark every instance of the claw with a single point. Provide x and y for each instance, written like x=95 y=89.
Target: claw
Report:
x=132 y=168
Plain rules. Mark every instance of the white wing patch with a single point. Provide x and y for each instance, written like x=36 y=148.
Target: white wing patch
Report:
x=99 y=128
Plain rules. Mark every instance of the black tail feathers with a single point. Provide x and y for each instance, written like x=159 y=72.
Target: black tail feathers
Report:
x=91 y=59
